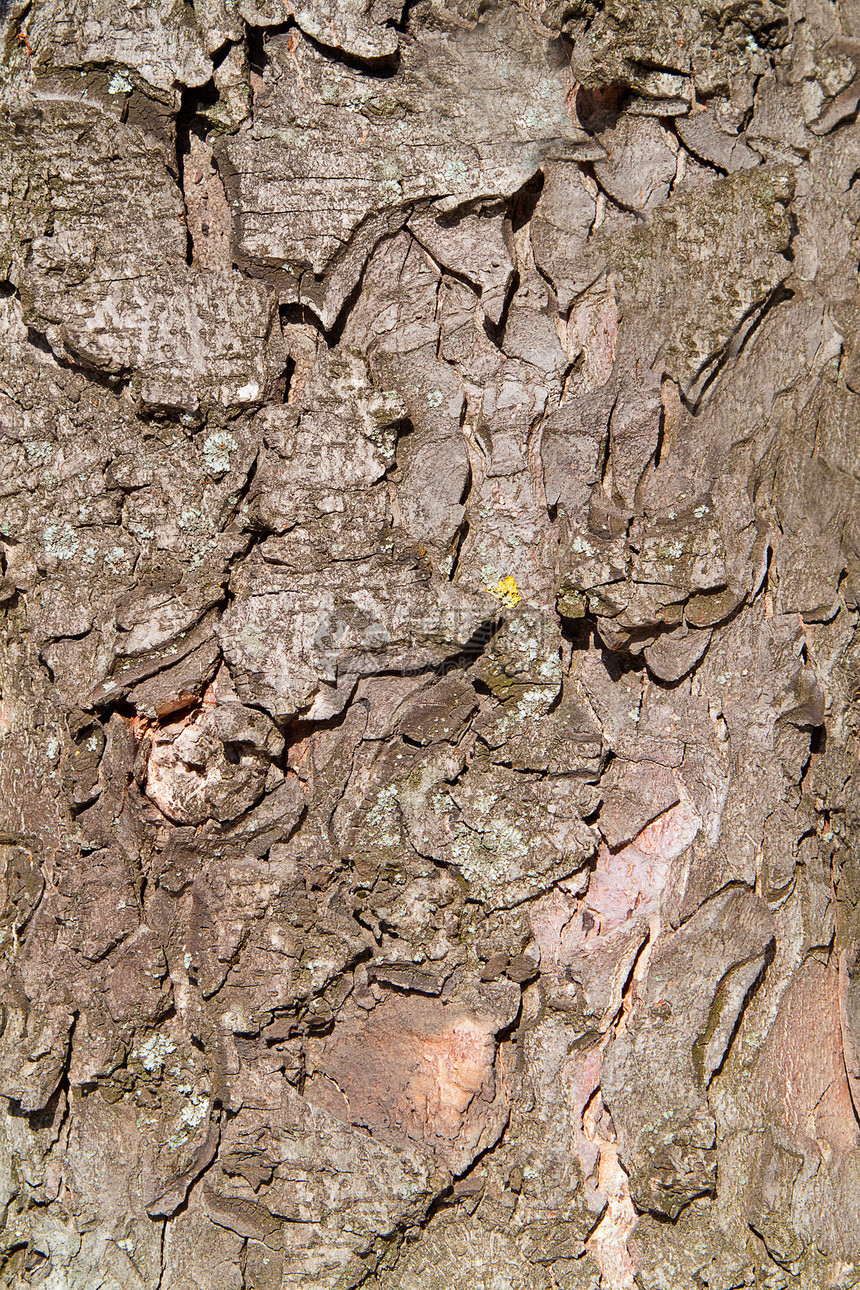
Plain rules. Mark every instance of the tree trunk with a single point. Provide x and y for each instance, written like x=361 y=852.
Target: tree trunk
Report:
x=429 y=706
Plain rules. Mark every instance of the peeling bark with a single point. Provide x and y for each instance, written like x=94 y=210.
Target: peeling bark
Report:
x=430 y=669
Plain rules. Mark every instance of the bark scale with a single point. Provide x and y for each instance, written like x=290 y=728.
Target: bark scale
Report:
x=429 y=697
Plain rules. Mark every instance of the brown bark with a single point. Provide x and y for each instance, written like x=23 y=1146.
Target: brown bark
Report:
x=429 y=683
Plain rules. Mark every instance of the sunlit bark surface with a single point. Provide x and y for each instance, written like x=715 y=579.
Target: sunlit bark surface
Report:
x=430 y=679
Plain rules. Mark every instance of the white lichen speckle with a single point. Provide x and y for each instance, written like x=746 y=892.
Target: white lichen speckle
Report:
x=39 y=451
x=119 y=84
x=216 y=452
x=153 y=1051
x=61 y=541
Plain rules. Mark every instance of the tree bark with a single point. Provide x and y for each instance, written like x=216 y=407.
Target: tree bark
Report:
x=430 y=680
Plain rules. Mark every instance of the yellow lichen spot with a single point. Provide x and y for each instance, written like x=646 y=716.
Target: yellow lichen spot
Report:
x=506 y=589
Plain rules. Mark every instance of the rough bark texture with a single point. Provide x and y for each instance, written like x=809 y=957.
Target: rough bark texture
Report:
x=430 y=679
